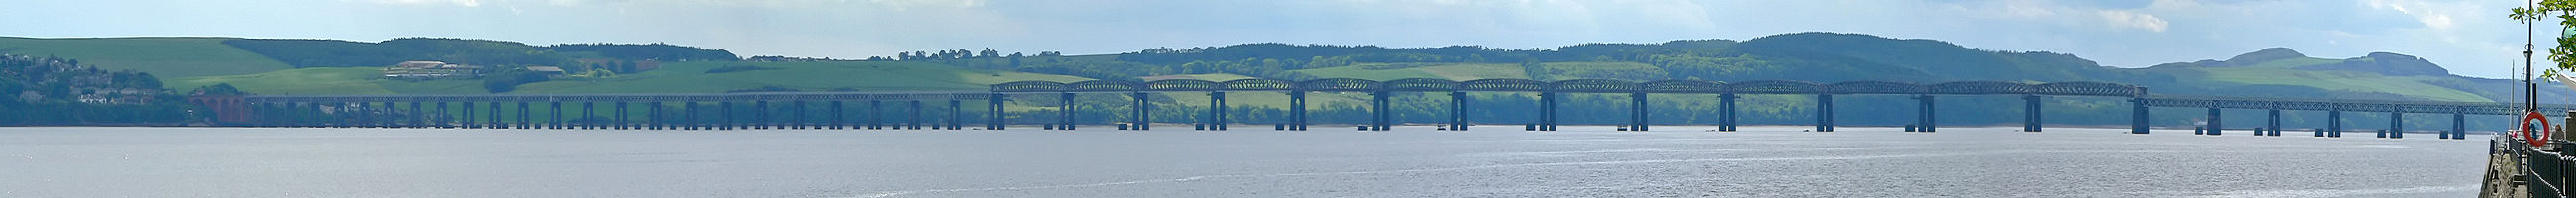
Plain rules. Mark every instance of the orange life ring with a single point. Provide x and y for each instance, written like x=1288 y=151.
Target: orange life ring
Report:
x=2534 y=133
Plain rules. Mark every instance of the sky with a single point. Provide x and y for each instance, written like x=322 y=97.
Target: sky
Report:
x=2471 y=38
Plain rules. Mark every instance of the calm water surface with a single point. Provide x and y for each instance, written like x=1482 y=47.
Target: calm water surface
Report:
x=1408 y=162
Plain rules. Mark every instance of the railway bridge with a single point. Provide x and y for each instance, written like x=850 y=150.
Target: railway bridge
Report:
x=428 y=111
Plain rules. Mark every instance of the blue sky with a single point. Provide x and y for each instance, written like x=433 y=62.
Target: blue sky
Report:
x=2471 y=38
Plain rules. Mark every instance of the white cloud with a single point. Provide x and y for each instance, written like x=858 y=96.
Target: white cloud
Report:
x=2433 y=14
x=466 y=3
x=2134 y=19
x=908 y=4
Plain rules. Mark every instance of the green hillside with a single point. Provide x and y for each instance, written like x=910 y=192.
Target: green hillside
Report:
x=684 y=77
x=165 y=57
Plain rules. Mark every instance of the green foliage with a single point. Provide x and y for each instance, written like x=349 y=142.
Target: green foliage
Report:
x=2565 y=11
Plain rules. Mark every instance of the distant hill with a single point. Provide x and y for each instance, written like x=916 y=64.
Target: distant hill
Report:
x=184 y=57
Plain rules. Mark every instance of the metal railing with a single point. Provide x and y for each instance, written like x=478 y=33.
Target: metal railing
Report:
x=2545 y=170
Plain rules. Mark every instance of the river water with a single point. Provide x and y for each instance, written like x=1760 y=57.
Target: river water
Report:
x=1408 y=162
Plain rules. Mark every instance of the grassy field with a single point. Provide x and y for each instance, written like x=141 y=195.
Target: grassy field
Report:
x=1456 y=72
x=2340 y=80
x=164 y=57
x=810 y=76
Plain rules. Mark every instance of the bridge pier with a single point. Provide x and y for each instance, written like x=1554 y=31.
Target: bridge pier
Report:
x=1458 y=111
x=653 y=116
x=1726 y=112
x=2272 y=122
x=837 y=115
x=2030 y=113
x=956 y=114
x=554 y=119
x=1297 y=110
x=760 y=115
x=2214 y=122
x=1381 y=117
x=2397 y=123
x=589 y=117
x=689 y=112
x=1547 y=111
x=876 y=115
x=802 y=119
x=621 y=116
x=525 y=117
x=442 y=119
x=2334 y=122
x=1637 y=111
x=1824 y=112
x=1216 y=111
x=1143 y=120
x=2459 y=127
x=994 y=107
x=1926 y=119
x=725 y=117
x=416 y=117
x=2138 y=115
x=912 y=121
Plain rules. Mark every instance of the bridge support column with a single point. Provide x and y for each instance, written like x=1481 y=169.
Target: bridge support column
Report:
x=526 y=118
x=621 y=116
x=760 y=115
x=956 y=114
x=993 y=108
x=2334 y=123
x=1637 y=111
x=416 y=118
x=2397 y=123
x=465 y=119
x=912 y=121
x=1144 y=120
x=2459 y=127
x=653 y=115
x=725 y=116
x=1297 y=110
x=802 y=119
x=443 y=119
x=2271 y=123
x=554 y=119
x=495 y=117
x=837 y=115
x=2138 y=115
x=1379 y=111
x=1547 y=111
x=1065 y=121
x=1929 y=121
x=876 y=115
x=2030 y=113
x=2214 y=120
x=1458 y=111
x=1216 y=111
x=1726 y=112
x=1824 y=112
x=589 y=118
x=689 y=112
